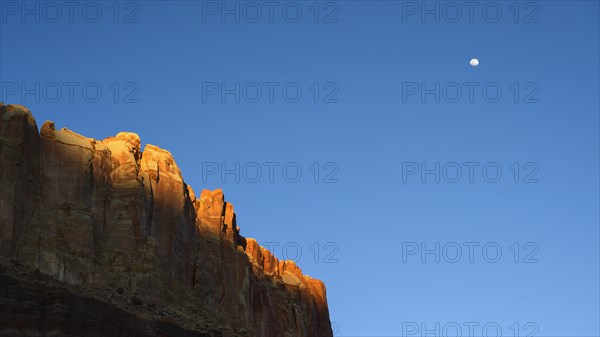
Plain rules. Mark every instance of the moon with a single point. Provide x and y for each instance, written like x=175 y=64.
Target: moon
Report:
x=474 y=62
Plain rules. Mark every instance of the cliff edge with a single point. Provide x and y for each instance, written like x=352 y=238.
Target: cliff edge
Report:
x=100 y=237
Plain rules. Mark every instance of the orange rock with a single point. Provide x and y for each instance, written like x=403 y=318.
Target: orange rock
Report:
x=105 y=215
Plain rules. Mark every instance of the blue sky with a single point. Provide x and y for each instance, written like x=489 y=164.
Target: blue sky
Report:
x=366 y=115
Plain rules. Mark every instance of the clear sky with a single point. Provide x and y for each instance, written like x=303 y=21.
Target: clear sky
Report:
x=369 y=73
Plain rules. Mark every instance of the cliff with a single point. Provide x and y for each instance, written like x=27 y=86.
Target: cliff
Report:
x=98 y=237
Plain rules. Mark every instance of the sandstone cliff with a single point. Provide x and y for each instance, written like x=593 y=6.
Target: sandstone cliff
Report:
x=98 y=237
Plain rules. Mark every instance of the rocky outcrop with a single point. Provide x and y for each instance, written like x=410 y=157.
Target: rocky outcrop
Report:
x=125 y=243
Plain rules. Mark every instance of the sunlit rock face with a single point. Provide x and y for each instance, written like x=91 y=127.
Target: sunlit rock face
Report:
x=126 y=248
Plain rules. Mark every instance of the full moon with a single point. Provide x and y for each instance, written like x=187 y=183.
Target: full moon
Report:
x=474 y=62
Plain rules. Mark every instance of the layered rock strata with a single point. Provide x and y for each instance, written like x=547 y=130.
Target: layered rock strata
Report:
x=102 y=237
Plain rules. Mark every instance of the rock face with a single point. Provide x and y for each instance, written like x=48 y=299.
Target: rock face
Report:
x=105 y=237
